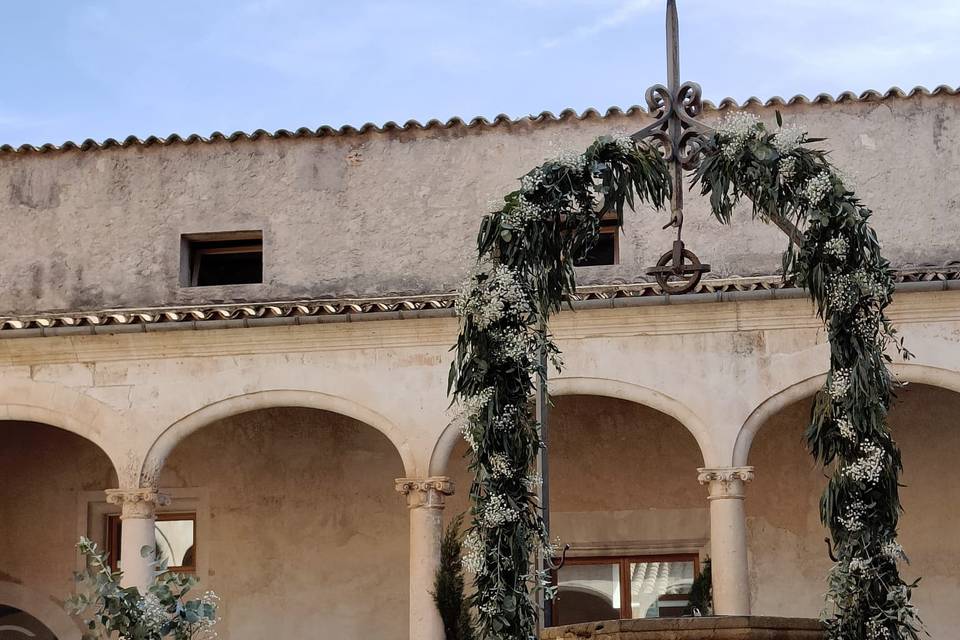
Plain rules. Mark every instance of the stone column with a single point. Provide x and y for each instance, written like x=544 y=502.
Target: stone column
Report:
x=425 y=497
x=728 y=538
x=139 y=515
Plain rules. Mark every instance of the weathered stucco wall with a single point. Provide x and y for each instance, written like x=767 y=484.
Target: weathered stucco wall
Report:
x=397 y=212
x=307 y=536
x=788 y=557
x=43 y=472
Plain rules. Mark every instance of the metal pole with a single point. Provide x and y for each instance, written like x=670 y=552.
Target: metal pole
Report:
x=543 y=468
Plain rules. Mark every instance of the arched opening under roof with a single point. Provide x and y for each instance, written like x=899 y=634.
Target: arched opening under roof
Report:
x=788 y=556
x=49 y=478
x=624 y=494
x=299 y=526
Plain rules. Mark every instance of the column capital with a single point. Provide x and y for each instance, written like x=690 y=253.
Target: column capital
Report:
x=137 y=503
x=425 y=492
x=725 y=482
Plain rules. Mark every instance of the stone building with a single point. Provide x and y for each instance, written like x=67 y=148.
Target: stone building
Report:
x=258 y=327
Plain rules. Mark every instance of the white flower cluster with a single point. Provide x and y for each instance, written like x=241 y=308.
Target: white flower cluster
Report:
x=868 y=284
x=735 y=130
x=846 y=428
x=471 y=409
x=500 y=466
x=533 y=481
x=841 y=293
x=893 y=550
x=788 y=139
x=866 y=324
x=839 y=385
x=507 y=419
x=787 y=167
x=877 y=630
x=625 y=144
x=204 y=629
x=868 y=466
x=523 y=213
x=490 y=296
x=496 y=512
x=514 y=345
x=473 y=559
x=154 y=613
x=852 y=520
x=817 y=188
x=571 y=160
x=859 y=565
x=532 y=181
x=836 y=247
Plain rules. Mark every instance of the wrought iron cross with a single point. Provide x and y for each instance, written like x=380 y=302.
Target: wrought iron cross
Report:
x=676 y=131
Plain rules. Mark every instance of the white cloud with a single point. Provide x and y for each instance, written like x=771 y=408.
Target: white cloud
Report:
x=611 y=17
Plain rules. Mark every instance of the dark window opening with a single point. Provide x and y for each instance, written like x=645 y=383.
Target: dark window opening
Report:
x=605 y=252
x=222 y=259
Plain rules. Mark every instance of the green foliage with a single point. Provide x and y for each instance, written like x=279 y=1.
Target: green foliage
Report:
x=448 y=586
x=528 y=246
x=840 y=263
x=163 y=612
x=701 y=592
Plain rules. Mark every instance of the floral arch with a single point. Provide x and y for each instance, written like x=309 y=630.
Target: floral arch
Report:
x=525 y=255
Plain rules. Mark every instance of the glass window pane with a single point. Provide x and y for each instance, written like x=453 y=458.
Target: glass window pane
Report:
x=659 y=589
x=588 y=593
x=175 y=542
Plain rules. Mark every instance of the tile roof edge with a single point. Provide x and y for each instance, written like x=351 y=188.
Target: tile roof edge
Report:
x=475 y=123
x=401 y=307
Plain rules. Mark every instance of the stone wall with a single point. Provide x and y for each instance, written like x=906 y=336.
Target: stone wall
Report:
x=397 y=212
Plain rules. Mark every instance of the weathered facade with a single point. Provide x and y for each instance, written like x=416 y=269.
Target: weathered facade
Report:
x=281 y=414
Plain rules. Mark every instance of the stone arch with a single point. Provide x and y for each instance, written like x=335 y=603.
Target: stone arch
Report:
x=41 y=607
x=191 y=422
x=804 y=388
x=604 y=387
x=66 y=409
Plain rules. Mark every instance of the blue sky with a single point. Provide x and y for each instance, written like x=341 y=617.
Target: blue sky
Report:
x=75 y=69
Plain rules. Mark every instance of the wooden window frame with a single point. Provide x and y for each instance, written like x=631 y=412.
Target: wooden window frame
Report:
x=624 y=562
x=609 y=225
x=192 y=250
x=114 y=524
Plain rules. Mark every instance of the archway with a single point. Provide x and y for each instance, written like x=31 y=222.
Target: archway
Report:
x=298 y=525
x=267 y=398
x=787 y=553
x=51 y=476
x=624 y=494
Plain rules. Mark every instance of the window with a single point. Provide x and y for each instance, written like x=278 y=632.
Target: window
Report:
x=607 y=249
x=221 y=258
x=612 y=587
x=176 y=540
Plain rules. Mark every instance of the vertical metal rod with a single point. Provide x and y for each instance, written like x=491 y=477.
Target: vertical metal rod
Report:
x=673 y=84
x=543 y=468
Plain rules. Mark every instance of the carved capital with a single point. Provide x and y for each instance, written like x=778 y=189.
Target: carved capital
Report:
x=425 y=492
x=725 y=482
x=137 y=503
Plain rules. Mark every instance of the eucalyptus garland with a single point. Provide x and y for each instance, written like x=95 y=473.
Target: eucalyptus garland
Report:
x=840 y=263
x=526 y=251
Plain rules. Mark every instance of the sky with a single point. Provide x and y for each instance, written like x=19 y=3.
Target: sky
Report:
x=77 y=69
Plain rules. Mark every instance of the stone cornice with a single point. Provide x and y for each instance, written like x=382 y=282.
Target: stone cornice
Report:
x=437 y=334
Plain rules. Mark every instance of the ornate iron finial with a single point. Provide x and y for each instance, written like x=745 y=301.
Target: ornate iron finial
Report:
x=679 y=135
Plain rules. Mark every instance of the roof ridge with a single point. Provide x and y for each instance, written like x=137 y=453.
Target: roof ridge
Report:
x=502 y=119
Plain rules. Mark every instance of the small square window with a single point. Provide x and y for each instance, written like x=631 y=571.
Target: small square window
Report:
x=209 y=259
x=176 y=540
x=607 y=249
